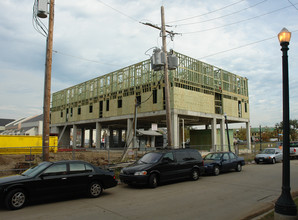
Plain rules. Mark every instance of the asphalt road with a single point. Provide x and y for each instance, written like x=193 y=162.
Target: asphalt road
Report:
x=227 y=196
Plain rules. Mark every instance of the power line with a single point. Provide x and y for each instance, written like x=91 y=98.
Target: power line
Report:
x=80 y=58
x=118 y=11
x=293 y=5
x=233 y=13
x=245 y=45
x=237 y=22
x=207 y=12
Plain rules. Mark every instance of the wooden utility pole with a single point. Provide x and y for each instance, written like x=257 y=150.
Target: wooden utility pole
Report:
x=167 y=89
x=47 y=86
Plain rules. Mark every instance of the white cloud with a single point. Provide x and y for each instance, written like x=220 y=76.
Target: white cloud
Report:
x=91 y=30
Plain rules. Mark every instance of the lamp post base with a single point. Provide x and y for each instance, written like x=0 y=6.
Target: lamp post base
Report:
x=278 y=216
x=285 y=207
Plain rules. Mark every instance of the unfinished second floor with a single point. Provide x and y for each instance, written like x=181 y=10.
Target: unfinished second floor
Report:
x=194 y=86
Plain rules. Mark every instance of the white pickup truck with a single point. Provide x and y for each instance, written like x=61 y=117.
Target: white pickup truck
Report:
x=293 y=149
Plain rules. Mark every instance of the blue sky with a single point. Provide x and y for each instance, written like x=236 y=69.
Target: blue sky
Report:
x=93 y=37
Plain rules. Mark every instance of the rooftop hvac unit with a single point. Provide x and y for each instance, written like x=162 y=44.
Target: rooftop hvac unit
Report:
x=172 y=61
x=158 y=59
x=42 y=8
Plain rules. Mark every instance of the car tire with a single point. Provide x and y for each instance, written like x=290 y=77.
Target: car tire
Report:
x=273 y=161
x=95 y=189
x=239 y=167
x=195 y=175
x=257 y=162
x=216 y=171
x=153 y=181
x=15 y=199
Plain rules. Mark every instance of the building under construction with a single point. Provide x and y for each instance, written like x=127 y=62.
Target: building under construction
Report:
x=200 y=94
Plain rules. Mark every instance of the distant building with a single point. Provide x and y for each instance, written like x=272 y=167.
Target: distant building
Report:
x=3 y=122
x=31 y=126
x=200 y=95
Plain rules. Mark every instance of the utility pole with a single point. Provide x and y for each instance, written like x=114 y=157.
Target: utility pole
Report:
x=167 y=89
x=47 y=86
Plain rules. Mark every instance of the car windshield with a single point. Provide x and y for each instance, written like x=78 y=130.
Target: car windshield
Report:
x=268 y=151
x=36 y=169
x=215 y=156
x=150 y=158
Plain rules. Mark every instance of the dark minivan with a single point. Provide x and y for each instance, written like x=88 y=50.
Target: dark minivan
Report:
x=161 y=166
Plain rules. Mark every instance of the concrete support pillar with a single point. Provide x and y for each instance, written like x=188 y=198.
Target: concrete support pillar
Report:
x=119 y=137
x=213 y=134
x=222 y=134
x=90 y=137
x=98 y=135
x=129 y=133
x=82 y=137
x=74 y=137
x=248 y=138
x=153 y=141
x=64 y=136
x=175 y=130
x=111 y=138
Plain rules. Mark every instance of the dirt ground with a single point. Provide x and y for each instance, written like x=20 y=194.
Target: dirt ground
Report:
x=10 y=164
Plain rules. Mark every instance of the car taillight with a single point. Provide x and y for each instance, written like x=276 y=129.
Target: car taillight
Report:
x=114 y=177
x=295 y=150
x=203 y=162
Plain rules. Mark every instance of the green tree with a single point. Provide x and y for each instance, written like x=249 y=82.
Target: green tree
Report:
x=293 y=129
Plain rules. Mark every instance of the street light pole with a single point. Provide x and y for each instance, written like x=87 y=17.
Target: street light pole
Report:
x=285 y=206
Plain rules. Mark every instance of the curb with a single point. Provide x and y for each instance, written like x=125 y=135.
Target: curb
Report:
x=265 y=209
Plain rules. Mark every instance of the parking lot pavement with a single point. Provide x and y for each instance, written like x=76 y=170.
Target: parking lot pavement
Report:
x=231 y=195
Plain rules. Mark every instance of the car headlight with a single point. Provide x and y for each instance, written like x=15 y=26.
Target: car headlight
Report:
x=140 y=173
x=121 y=171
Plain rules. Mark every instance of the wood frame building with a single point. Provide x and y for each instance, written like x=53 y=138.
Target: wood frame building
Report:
x=200 y=95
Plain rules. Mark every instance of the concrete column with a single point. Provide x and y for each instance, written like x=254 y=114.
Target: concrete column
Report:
x=248 y=138
x=129 y=133
x=153 y=141
x=90 y=137
x=119 y=137
x=98 y=135
x=64 y=137
x=74 y=137
x=82 y=137
x=175 y=130
x=111 y=140
x=222 y=134
x=213 y=134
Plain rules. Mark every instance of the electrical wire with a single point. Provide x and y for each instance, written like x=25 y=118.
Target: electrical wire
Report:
x=233 y=13
x=37 y=23
x=118 y=11
x=80 y=58
x=245 y=45
x=237 y=22
x=207 y=12
x=293 y=4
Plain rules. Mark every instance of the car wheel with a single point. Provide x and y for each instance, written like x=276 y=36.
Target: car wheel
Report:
x=195 y=175
x=273 y=161
x=216 y=171
x=257 y=162
x=15 y=199
x=153 y=182
x=239 y=167
x=95 y=189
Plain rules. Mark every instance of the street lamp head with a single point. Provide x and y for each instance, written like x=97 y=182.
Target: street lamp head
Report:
x=284 y=36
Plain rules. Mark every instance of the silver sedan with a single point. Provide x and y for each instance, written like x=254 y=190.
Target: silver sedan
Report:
x=269 y=155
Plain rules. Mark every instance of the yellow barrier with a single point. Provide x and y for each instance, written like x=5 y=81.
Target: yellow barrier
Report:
x=11 y=144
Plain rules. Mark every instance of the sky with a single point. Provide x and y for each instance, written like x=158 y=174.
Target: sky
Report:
x=95 y=37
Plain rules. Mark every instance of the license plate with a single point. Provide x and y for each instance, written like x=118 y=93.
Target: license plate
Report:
x=261 y=159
